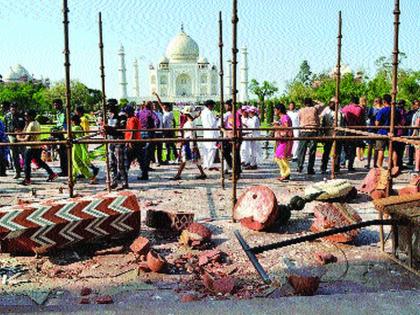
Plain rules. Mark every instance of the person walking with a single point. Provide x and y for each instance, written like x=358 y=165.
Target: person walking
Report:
x=80 y=154
x=14 y=122
x=228 y=121
x=354 y=115
x=136 y=150
x=209 y=121
x=4 y=150
x=246 y=146
x=371 y=115
x=283 y=147
x=189 y=149
x=309 y=121
x=409 y=122
x=293 y=113
x=61 y=125
x=118 y=151
x=33 y=152
x=383 y=119
x=85 y=126
x=168 y=121
x=254 y=146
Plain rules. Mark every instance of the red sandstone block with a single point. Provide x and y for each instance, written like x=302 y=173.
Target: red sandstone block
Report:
x=85 y=291
x=106 y=299
x=140 y=246
x=256 y=208
x=84 y=300
x=409 y=190
x=306 y=286
x=328 y=216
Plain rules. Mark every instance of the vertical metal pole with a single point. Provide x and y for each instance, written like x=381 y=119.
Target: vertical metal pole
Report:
x=69 y=143
x=234 y=96
x=222 y=101
x=394 y=92
x=102 y=68
x=337 y=94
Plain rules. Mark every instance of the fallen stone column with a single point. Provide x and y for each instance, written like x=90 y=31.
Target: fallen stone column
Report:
x=54 y=224
x=334 y=215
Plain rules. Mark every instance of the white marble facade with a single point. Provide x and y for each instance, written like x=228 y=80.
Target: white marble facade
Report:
x=182 y=75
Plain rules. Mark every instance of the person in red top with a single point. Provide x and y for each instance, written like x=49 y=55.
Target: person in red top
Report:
x=228 y=121
x=135 y=150
x=354 y=115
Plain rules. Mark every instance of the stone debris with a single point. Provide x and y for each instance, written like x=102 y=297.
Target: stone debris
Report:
x=375 y=183
x=334 y=215
x=325 y=258
x=196 y=235
x=110 y=251
x=256 y=208
x=85 y=300
x=140 y=246
x=186 y=298
x=106 y=299
x=223 y=285
x=85 y=291
x=165 y=220
x=412 y=188
x=302 y=285
x=155 y=262
x=211 y=256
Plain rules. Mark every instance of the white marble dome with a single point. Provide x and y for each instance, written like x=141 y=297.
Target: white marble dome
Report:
x=182 y=49
x=17 y=73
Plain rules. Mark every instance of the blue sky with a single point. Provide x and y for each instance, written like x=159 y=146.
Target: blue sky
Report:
x=279 y=35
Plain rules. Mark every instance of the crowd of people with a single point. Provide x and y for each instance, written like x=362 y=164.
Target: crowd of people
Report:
x=156 y=120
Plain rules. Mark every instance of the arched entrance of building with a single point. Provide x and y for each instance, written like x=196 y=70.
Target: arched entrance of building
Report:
x=183 y=85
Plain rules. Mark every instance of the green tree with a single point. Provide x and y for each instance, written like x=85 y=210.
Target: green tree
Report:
x=23 y=94
x=304 y=75
x=269 y=111
x=297 y=91
x=262 y=91
x=80 y=94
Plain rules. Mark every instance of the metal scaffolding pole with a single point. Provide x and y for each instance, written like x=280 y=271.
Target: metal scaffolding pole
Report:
x=393 y=93
x=102 y=68
x=235 y=149
x=337 y=94
x=222 y=101
x=69 y=142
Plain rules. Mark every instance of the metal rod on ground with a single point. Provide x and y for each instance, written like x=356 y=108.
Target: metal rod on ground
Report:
x=394 y=94
x=69 y=143
x=222 y=101
x=235 y=149
x=251 y=252
x=102 y=68
x=337 y=94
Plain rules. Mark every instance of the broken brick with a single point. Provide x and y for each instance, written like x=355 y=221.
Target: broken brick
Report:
x=84 y=300
x=325 y=258
x=155 y=262
x=85 y=291
x=256 y=208
x=144 y=267
x=186 y=298
x=140 y=246
x=302 y=285
x=377 y=194
x=209 y=256
x=328 y=216
x=106 y=299
x=224 y=285
x=110 y=251
x=195 y=235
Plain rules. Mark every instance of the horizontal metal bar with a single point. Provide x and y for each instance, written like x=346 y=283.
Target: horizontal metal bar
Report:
x=314 y=236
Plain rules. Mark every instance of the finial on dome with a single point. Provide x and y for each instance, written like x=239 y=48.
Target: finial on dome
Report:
x=182 y=27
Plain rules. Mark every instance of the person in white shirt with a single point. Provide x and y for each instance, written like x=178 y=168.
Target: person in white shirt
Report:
x=168 y=122
x=245 y=146
x=190 y=154
x=254 y=147
x=293 y=113
x=209 y=149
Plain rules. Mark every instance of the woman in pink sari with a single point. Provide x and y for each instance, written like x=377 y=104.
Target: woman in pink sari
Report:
x=283 y=147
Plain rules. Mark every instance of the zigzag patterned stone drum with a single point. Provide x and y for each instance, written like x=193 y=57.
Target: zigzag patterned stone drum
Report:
x=55 y=224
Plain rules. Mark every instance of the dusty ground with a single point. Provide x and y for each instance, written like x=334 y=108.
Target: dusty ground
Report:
x=58 y=279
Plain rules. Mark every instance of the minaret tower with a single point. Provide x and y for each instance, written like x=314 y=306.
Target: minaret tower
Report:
x=122 y=74
x=243 y=95
x=136 y=87
x=228 y=79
